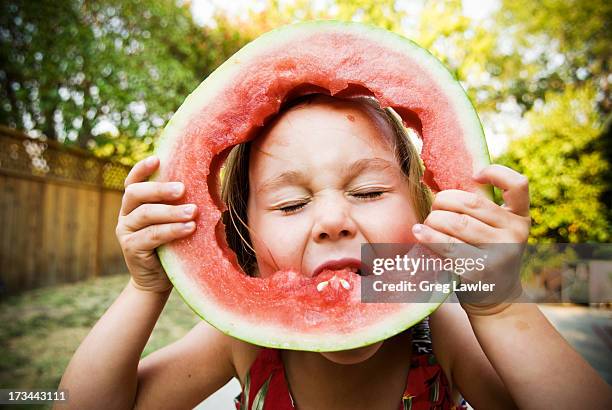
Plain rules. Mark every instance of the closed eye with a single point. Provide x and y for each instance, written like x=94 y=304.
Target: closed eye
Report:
x=367 y=195
x=363 y=196
x=287 y=209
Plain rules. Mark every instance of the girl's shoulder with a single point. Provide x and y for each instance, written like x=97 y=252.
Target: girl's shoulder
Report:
x=225 y=348
x=200 y=362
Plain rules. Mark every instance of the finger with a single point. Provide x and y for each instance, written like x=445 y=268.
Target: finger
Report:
x=514 y=186
x=142 y=170
x=461 y=226
x=477 y=206
x=447 y=246
x=150 y=192
x=154 y=236
x=439 y=242
x=155 y=214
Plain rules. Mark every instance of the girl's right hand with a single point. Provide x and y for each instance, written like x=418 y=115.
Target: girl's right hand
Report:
x=145 y=223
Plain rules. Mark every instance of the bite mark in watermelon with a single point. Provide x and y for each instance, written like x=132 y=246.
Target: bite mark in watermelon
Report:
x=288 y=310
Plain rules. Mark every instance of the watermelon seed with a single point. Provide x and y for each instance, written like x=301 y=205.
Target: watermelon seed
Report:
x=345 y=284
x=322 y=285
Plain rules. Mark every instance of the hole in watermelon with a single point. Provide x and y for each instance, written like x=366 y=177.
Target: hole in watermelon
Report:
x=410 y=119
x=354 y=90
x=240 y=259
x=213 y=180
x=304 y=89
x=221 y=238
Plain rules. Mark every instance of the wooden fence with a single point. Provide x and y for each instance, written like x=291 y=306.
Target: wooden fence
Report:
x=58 y=212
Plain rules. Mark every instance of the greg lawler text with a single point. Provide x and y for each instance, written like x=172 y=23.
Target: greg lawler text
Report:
x=426 y=286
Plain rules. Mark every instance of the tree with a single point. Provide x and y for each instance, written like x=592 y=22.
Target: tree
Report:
x=569 y=42
x=71 y=67
x=557 y=67
x=566 y=167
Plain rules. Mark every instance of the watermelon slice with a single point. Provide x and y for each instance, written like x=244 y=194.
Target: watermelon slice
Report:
x=288 y=310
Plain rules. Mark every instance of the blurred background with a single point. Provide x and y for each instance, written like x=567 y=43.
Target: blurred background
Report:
x=87 y=86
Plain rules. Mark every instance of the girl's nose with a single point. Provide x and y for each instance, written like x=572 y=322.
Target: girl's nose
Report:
x=333 y=220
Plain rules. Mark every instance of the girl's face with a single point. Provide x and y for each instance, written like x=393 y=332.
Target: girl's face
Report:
x=323 y=180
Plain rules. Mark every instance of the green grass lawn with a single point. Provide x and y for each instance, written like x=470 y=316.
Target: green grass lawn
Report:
x=41 y=329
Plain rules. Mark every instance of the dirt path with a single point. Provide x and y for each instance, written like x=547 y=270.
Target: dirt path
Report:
x=589 y=331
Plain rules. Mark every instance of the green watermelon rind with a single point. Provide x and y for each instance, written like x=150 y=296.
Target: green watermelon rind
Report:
x=205 y=93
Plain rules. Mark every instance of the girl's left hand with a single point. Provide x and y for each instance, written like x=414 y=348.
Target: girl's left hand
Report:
x=464 y=224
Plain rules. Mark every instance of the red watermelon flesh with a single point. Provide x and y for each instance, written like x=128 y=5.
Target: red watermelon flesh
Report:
x=343 y=59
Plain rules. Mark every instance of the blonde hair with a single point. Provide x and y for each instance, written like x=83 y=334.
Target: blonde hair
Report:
x=235 y=180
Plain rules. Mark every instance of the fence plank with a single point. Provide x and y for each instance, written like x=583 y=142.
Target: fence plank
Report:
x=11 y=228
x=88 y=232
x=4 y=198
x=8 y=218
x=58 y=211
x=50 y=241
x=61 y=231
x=79 y=246
x=32 y=233
x=110 y=251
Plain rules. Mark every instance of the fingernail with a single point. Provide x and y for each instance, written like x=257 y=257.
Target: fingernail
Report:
x=188 y=210
x=188 y=226
x=151 y=160
x=176 y=188
x=417 y=229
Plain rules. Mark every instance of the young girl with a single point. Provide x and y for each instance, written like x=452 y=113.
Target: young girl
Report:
x=324 y=176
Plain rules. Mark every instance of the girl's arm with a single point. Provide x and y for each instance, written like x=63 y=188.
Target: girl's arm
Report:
x=104 y=372
x=181 y=375
x=463 y=360
x=537 y=365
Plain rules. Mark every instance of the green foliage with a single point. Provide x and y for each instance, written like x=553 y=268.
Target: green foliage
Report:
x=381 y=13
x=543 y=259
x=572 y=43
x=69 y=67
x=565 y=168
x=123 y=148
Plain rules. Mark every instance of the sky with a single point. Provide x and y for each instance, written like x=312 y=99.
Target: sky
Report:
x=498 y=126
x=203 y=9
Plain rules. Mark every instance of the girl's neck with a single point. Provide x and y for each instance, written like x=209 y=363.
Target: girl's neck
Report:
x=309 y=372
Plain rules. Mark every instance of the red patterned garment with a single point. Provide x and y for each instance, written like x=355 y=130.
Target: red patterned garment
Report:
x=427 y=388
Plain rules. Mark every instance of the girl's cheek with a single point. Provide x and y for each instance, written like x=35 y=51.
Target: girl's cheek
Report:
x=280 y=240
x=389 y=221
